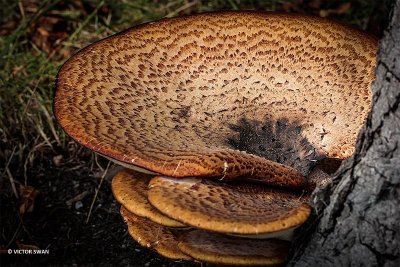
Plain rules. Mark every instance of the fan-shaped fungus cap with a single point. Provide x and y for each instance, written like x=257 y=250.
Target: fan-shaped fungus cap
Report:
x=154 y=236
x=166 y=96
x=244 y=208
x=233 y=251
x=130 y=190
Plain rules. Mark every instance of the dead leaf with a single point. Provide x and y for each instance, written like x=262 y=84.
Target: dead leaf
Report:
x=31 y=6
x=25 y=246
x=290 y=6
x=76 y=198
x=57 y=160
x=27 y=195
x=342 y=9
x=3 y=251
x=41 y=32
x=315 y=4
x=8 y=27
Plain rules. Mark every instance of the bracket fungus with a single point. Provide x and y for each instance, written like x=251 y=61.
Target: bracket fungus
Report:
x=244 y=208
x=130 y=189
x=152 y=235
x=263 y=104
x=233 y=251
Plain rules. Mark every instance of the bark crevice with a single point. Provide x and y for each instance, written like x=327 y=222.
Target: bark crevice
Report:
x=359 y=218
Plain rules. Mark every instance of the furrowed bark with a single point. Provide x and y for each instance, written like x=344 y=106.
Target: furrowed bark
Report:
x=358 y=222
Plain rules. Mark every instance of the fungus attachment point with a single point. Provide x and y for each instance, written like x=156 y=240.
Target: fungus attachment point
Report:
x=240 y=208
x=154 y=236
x=130 y=189
x=233 y=251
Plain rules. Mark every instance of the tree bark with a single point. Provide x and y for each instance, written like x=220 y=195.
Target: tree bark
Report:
x=359 y=213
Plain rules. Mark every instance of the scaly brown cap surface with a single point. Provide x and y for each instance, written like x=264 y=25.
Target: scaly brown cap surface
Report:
x=233 y=251
x=165 y=96
x=154 y=236
x=130 y=189
x=244 y=208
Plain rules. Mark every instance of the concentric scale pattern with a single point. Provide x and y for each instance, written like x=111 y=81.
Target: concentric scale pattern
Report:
x=242 y=208
x=163 y=96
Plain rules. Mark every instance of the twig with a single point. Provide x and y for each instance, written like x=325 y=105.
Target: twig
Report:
x=29 y=158
x=15 y=234
x=50 y=123
x=12 y=182
x=76 y=198
x=96 y=160
x=9 y=174
x=233 y=5
x=182 y=8
x=9 y=160
x=21 y=10
x=85 y=22
x=39 y=128
x=97 y=191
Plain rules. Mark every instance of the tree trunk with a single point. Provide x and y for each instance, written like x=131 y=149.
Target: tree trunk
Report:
x=359 y=212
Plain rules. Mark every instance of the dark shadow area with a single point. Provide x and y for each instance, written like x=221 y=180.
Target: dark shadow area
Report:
x=58 y=224
x=280 y=141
